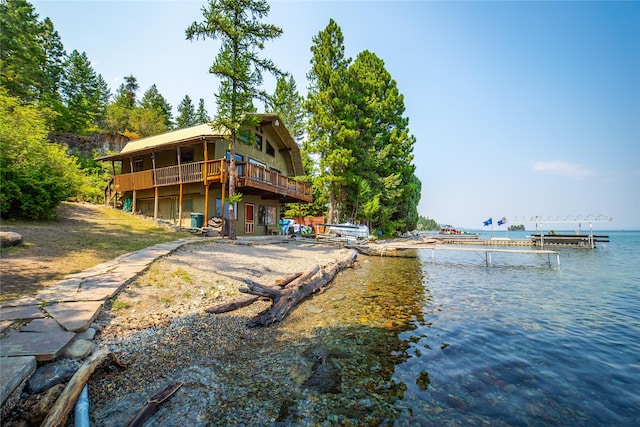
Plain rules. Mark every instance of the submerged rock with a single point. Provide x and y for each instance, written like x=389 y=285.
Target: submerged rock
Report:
x=325 y=376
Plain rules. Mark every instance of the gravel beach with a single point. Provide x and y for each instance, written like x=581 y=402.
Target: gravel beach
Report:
x=231 y=375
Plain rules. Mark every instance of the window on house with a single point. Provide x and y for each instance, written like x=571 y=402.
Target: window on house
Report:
x=270 y=150
x=258 y=144
x=187 y=204
x=267 y=215
x=226 y=209
x=239 y=158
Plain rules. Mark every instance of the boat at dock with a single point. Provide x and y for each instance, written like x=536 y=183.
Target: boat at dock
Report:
x=580 y=241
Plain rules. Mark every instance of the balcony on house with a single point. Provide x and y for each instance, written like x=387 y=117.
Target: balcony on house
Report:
x=250 y=179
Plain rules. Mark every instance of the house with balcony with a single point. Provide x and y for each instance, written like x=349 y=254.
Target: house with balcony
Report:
x=183 y=174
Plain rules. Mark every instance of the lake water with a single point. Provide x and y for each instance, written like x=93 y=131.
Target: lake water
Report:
x=523 y=343
x=411 y=342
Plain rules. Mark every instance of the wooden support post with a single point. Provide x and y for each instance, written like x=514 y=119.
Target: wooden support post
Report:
x=155 y=186
x=222 y=201
x=180 y=206
x=206 y=204
x=155 y=203
x=206 y=183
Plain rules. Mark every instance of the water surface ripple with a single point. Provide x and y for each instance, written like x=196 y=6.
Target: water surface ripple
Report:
x=522 y=343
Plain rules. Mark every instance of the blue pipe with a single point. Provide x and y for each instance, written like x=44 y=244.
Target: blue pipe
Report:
x=81 y=411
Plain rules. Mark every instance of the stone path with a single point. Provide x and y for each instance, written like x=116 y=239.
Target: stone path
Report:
x=51 y=320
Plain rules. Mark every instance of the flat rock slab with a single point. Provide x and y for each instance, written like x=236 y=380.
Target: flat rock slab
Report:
x=42 y=325
x=26 y=300
x=24 y=312
x=75 y=316
x=42 y=345
x=12 y=371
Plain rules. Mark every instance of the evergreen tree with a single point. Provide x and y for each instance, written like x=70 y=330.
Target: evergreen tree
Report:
x=83 y=94
x=384 y=151
x=22 y=56
x=287 y=103
x=330 y=135
x=186 y=114
x=152 y=100
x=104 y=95
x=201 y=115
x=118 y=113
x=237 y=24
x=53 y=75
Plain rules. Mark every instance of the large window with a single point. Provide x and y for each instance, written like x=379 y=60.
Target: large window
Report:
x=267 y=215
x=226 y=209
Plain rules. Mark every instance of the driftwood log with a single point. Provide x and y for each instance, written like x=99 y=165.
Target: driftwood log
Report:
x=248 y=299
x=153 y=404
x=60 y=411
x=285 y=300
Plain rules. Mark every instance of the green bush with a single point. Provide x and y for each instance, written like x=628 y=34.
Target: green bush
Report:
x=35 y=175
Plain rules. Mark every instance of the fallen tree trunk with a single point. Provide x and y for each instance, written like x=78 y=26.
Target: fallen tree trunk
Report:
x=285 y=300
x=59 y=413
x=250 y=299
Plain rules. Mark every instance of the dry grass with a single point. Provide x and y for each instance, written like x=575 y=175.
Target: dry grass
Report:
x=83 y=236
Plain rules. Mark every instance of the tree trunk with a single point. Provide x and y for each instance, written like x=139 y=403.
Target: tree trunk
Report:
x=285 y=300
x=232 y=188
x=248 y=299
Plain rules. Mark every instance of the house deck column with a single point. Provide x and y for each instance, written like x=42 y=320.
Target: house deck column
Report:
x=155 y=193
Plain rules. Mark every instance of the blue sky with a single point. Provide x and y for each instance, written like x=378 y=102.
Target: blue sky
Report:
x=518 y=108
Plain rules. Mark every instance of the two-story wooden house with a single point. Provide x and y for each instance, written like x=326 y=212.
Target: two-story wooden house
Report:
x=183 y=174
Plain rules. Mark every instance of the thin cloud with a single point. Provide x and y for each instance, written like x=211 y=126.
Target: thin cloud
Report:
x=560 y=167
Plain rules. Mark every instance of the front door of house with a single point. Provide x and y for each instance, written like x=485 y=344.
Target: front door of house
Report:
x=248 y=218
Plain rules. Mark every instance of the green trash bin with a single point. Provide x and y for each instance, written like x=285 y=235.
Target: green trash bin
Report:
x=196 y=219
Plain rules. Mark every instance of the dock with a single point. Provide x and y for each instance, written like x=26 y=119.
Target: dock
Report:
x=383 y=249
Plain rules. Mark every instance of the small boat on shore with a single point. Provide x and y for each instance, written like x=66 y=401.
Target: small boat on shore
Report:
x=359 y=231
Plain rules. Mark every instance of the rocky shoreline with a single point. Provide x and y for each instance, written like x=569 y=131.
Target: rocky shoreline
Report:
x=157 y=327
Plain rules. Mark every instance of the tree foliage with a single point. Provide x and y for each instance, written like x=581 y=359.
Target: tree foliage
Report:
x=35 y=175
x=85 y=94
x=427 y=224
x=330 y=135
x=201 y=113
x=237 y=25
x=149 y=116
x=358 y=130
x=287 y=103
x=186 y=113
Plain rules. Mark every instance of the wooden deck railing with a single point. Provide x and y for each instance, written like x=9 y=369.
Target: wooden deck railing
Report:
x=210 y=171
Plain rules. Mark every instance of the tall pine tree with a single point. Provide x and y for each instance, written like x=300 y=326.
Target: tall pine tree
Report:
x=186 y=113
x=331 y=135
x=287 y=103
x=237 y=24
x=201 y=114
